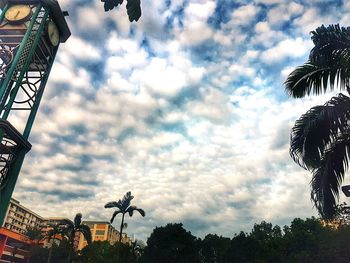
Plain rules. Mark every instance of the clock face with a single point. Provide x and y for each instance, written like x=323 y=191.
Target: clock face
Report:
x=17 y=14
x=53 y=33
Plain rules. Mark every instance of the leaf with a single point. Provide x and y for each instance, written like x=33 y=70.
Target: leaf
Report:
x=110 y=4
x=328 y=65
x=85 y=230
x=133 y=8
x=327 y=40
x=113 y=204
x=131 y=210
x=328 y=177
x=77 y=220
x=315 y=130
x=115 y=214
x=66 y=222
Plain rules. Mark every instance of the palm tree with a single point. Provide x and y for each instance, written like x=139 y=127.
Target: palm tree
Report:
x=55 y=230
x=320 y=138
x=34 y=234
x=71 y=228
x=123 y=206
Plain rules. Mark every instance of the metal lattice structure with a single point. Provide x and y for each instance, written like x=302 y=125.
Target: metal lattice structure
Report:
x=26 y=58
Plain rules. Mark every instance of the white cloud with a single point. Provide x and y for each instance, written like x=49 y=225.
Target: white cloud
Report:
x=80 y=49
x=286 y=48
x=244 y=15
x=284 y=12
x=165 y=79
x=195 y=33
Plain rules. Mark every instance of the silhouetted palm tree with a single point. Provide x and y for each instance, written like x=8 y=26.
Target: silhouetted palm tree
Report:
x=55 y=231
x=71 y=228
x=34 y=234
x=320 y=139
x=123 y=208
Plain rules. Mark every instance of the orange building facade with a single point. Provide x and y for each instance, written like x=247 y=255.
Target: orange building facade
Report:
x=100 y=231
x=14 y=247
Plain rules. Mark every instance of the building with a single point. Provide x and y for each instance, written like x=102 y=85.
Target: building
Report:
x=14 y=247
x=100 y=231
x=126 y=239
x=19 y=218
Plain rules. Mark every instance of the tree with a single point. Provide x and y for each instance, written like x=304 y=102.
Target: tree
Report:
x=123 y=206
x=71 y=228
x=243 y=248
x=133 y=7
x=137 y=248
x=98 y=251
x=320 y=139
x=54 y=232
x=104 y=252
x=213 y=248
x=171 y=244
x=34 y=234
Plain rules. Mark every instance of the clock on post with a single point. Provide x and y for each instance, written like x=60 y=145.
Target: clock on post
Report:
x=30 y=34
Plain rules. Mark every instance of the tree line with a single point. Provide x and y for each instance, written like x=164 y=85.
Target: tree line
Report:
x=304 y=240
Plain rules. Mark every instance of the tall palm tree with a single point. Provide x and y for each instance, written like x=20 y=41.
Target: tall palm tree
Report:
x=123 y=206
x=54 y=232
x=71 y=228
x=320 y=138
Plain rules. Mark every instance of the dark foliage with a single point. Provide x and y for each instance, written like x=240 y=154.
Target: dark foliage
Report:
x=103 y=252
x=302 y=241
x=320 y=139
x=59 y=253
x=213 y=248
x=171 y=244
x=133 y=8
x=124 y=207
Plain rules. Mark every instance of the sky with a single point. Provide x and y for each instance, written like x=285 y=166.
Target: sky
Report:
x=185 y=108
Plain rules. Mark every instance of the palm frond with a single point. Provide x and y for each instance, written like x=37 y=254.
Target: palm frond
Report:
x=110 y=4
x=77 y=219
x=328 y=177
x=316 y=129
x=66 y=222
x=54 y=231
x=133 y=8
x=327 y=40
x=131 y=210
x=328 y=64
x=312 y=78
x=85 y=230
x=126 y=201
x=115 y=214
x=113 y=204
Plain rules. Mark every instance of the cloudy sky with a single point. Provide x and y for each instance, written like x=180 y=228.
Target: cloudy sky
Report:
x=185 y=108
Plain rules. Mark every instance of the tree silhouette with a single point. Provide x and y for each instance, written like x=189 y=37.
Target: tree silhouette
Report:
x=71 y=228
x=320 y=139
x=171 y=244
x=123 y=206
x=55 y=231
x=34 y=234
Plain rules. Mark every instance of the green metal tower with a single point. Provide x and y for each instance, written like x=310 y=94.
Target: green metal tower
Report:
x=30 y=34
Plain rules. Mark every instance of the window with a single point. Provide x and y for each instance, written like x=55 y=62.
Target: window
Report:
x=100 y=232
